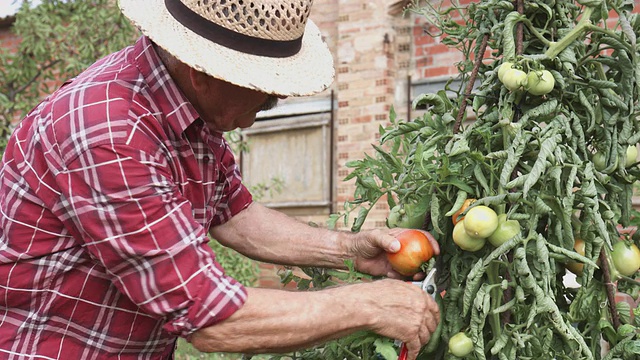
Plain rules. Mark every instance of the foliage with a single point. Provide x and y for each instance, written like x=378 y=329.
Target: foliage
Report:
x=58 y=40
x=530 y=157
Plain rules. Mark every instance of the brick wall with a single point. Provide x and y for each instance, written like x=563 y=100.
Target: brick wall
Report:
x=367 y=58
x=7 y=39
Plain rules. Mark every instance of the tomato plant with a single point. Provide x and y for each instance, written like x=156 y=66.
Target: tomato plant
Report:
x=626 y=258
x=556 y=164
x=415 y=250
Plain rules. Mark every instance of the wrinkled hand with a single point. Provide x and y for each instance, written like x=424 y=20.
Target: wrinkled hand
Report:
x=403 y=312
x=369 y=249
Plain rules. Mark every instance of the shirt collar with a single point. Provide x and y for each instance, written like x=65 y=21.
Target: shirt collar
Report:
x=173 y=105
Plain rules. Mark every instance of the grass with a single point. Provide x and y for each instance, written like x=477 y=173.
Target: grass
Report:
x=185 y=351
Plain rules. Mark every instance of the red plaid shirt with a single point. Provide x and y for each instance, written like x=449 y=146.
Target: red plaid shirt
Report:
x=107 y=190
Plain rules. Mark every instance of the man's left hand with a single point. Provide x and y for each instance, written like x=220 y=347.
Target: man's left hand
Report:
x=370 y=248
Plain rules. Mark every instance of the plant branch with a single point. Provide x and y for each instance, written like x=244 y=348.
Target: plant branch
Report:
x=610 y=287
x=472 y=80
x=568 y=39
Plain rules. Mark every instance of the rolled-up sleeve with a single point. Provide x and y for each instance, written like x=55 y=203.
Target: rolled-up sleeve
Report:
x=134 y=220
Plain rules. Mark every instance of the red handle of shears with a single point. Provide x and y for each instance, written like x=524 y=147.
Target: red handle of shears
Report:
x=403 y=352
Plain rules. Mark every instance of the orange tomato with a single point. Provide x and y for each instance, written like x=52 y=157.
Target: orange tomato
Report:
x=415 y=249
x=573 y=266
x=464 y=207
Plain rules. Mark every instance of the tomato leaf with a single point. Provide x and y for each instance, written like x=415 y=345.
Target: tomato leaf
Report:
x=386 y=349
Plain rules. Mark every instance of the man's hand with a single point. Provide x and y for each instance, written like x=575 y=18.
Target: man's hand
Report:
x=281 y=321
x=369 y=249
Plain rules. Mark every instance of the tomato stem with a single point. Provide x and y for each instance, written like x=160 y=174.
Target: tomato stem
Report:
x=629 y=280
x=494 y=320
x=575 y=33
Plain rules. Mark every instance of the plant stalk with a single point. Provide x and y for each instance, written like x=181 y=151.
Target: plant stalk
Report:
x=574 y=34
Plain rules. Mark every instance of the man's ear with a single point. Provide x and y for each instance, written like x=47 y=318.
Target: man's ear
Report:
x=199 y=81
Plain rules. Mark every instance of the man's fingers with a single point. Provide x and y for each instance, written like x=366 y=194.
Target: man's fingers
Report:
x=434 y=243
x=413 y=348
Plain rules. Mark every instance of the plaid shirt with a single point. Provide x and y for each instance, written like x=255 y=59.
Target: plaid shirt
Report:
x=107 y=190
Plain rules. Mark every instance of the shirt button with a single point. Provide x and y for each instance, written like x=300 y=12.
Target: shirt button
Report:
x=205 y=159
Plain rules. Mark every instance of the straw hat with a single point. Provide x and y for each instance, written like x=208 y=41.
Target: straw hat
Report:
x=266 y=45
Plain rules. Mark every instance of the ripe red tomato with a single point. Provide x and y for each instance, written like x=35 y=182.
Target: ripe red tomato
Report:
x=415 y=249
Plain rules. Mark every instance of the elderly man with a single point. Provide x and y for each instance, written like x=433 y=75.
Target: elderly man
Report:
x=110 y=185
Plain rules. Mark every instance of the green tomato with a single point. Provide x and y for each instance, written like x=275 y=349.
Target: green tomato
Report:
x=626 y=258
x=405 y=216
x=599 y=161
x=480 y=221
x=460 y=345
x=513 y=79
x=632 y=155
x=464 y=240
x=540 y=82
x=503 y=69
x=506 y=230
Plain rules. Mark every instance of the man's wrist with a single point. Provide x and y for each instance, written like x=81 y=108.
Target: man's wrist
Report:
x=345 y=242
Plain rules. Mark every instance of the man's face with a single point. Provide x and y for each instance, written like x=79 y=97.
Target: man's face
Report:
x=228 y=107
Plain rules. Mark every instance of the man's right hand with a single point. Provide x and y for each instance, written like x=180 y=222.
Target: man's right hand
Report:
x=277 y=321
x=405 y=312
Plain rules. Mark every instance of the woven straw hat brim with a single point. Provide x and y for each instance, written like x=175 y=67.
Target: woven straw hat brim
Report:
x=308 y=72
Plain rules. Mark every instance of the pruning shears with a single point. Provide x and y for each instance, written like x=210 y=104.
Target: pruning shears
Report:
x=427 y=285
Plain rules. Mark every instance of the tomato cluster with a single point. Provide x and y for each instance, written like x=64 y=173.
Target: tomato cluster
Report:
x=481 y=223
x=536 y=82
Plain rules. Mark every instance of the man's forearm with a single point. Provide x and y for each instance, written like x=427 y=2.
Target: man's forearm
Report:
x=281 y=321
x=268 y=235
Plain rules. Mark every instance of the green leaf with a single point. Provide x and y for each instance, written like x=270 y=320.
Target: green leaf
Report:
x=386 y=349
